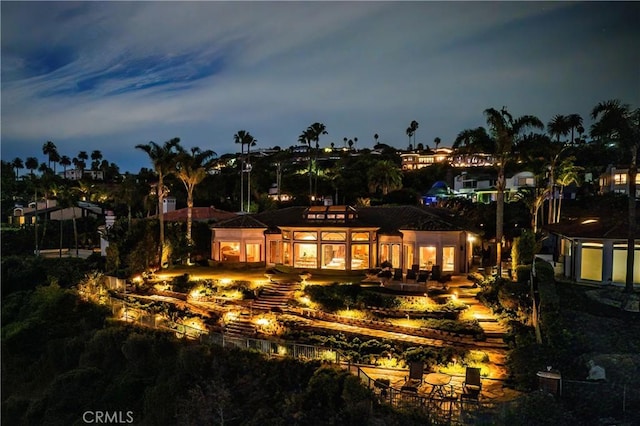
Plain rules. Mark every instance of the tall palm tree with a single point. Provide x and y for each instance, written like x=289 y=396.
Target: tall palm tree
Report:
x=50 y=150
x=620 y=124
x=315 y=131
x=31 y=163
x=191 y=169
x=574 y=121
x=384 y=176
x=414 y=129
x=410 y=132
x=305 y=138
x=96 y=156
x=163 y=160
x=244 y=138
x=82 y=162
x=17 y=164
x=436 y=142
x=558 y=126
x=65 y=162
x=502 y=140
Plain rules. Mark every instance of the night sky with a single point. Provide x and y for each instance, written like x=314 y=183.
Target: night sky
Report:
x=110 y=75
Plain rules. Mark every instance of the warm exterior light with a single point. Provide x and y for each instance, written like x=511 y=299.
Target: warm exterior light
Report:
x=588 y=221
x=225 y=281
x=471 y=238
x=262 y=321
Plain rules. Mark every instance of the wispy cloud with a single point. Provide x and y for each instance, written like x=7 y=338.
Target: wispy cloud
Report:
x=129 y=72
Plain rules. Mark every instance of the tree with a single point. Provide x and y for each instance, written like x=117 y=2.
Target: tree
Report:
x=315 y=131
x=82 y=162
x=411 y=131
x=17 y=164
x=502 y=141
x=51 y=151
x=306 y=138
x=574 y=121
x=65 y=162
x=558 y=126
x=436 y=142
x=244 y=138
x=31 y=163
x=163 y=160
x=375 y=138
x=96 y=156
x=384 y=176
x=568 y=173
x=620 y=124
x=191 y=169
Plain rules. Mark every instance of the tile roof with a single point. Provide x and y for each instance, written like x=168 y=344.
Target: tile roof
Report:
x=389 y=220
x=592 y=227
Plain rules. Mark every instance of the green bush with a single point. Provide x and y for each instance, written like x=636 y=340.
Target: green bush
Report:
x=523 y=273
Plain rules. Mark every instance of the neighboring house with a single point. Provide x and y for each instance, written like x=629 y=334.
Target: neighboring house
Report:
x=438 y=191
x=481 y=188
x=273 y=194
x=416 y=160
x=615 y=180
x=77 y=174
x=344 y=238
x=49 y=210
x=593 y=250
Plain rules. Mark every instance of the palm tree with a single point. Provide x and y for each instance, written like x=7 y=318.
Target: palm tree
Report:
x=315 y=131
x=345 y=142
x=17 y=164
x=50 y=150
x=384 y=176
x=244 y=138
x=414 y=128
x=65 y=162
x=436 y=142
x=558 y=126
x=620 y=124
x=305 y=138
x=68 y=197
x=350 y=143
x=31 y=163
x=375 y=137
x=409 y=132
x=568 y=173
x=163 y=160
x=96 y=156
x=505 y=134
x=574 y=121
x=191 y=169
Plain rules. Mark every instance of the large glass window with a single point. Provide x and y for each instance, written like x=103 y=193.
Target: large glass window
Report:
x=390 y=253
x=620 y=264
x=229 y=251
x=333 y=256
x=334 y=236
x=305 y=236
x=252 y=252
x=305 y=255
x=448 y=258
x=427 y=257
x=359 y=256
x=591 y=265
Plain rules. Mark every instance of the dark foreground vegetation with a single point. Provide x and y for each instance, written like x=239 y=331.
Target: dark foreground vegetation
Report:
x=62 y=357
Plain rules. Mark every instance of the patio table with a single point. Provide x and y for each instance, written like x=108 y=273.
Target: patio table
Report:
x=438 y=381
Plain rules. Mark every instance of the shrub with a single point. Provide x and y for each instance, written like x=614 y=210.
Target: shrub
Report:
x=523 y=249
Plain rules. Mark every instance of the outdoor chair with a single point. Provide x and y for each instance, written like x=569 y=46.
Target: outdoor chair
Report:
x=411 y=276
x=397 y=275
x=423 y=277
x=416 y=371
x=472 y=384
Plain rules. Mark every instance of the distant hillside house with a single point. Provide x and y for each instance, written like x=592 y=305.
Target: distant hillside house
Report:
x=418 y=159
x=593 y=250
x=48 y=209
x=198 y=214
x=615 y=180
x=481 y=187
x=77 y=174
x=344 y=238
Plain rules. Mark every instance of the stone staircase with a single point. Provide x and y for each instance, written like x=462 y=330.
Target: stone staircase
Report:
x=240 y=327
x=274 y=296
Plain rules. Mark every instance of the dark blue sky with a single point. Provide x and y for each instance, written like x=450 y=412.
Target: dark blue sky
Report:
x=111 y=75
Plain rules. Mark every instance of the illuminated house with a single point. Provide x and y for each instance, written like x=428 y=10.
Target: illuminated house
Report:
x=594 y=250
x=344 y=238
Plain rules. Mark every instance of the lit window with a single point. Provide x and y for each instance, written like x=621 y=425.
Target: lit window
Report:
x=359 y=236
x=620 y=178
x=427 y=257
x=333 y=256
x=230 y=251
x=334 y=236
x=305 y=236
x=305 y=256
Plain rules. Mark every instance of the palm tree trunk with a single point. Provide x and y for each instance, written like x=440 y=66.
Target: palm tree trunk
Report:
x=500 y=218
x=633 y=171
x=160 y=191
x=559 y=204
x=189 y=213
